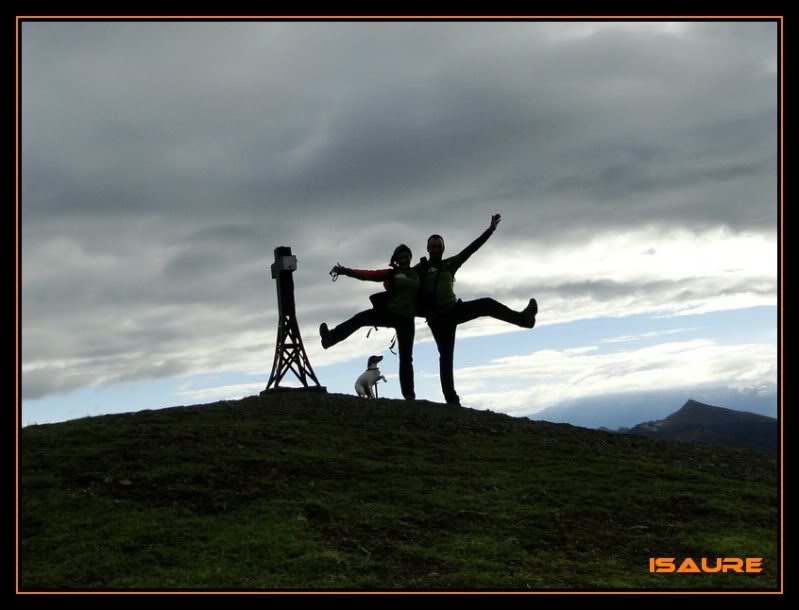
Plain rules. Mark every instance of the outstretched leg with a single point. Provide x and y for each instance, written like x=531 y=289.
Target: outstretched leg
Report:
x=345 y=329
x=466 y=311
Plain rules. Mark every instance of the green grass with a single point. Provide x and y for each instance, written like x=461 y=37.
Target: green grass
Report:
x=303 y=491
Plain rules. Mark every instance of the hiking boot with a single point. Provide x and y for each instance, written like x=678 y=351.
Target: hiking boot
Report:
x=528 y=313
x=325 y=334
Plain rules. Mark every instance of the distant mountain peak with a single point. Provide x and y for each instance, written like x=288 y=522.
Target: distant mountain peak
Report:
x=694 y=407
x=695 y=403
x=698 y=422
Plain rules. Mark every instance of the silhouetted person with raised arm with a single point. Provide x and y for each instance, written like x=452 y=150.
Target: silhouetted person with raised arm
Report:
x=396 y=309
x=437 y=303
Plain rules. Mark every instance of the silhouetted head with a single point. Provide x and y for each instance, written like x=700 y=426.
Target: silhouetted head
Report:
x=402 y=257
x=373 y=360
x=435 y=247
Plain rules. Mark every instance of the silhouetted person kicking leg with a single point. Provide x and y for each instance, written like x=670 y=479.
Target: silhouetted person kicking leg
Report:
x=444 y=311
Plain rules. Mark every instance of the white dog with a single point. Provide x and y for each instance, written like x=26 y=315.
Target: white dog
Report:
x=369 y=378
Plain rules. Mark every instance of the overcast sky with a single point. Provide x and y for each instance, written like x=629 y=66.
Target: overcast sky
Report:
x=634 y=165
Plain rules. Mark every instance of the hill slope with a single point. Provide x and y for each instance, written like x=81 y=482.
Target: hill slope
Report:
x=700 y=423
x=309 y=491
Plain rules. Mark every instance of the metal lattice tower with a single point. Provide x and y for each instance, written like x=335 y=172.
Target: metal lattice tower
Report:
x=289 y=351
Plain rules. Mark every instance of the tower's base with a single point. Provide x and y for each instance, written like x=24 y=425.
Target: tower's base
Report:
x=313 y=388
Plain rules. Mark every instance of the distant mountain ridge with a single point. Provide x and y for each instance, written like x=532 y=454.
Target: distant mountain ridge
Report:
x=627 y=409
x=696 y=422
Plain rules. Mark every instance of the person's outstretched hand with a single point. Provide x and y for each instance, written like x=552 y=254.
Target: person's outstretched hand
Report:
x=337 y=270
x=495 y=221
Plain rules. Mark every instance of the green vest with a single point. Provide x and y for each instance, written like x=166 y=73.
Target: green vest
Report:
x=403 y=293
x=444 y=291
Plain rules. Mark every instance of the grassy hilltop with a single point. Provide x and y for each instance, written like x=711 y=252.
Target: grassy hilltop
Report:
x=314 y=491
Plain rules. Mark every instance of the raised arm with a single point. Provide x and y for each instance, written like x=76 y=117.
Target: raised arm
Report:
x=464 y=254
